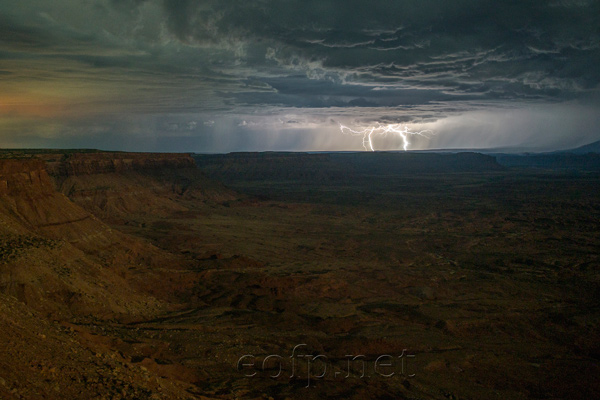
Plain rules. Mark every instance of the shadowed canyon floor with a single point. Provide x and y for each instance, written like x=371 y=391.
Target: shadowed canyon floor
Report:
x=415 y=276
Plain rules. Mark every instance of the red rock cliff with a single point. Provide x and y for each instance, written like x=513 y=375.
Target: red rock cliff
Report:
x=24 y=176
x=101 y=163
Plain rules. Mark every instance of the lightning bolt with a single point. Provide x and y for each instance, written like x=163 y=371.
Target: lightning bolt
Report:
x=383 y=130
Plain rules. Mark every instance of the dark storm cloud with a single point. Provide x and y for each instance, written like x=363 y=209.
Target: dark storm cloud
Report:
x=386 y=61
x=350 y=53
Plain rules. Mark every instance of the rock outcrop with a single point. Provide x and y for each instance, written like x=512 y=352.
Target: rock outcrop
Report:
x=108 y=162
x=53 y=252
x=113 y=186
x=24 y=177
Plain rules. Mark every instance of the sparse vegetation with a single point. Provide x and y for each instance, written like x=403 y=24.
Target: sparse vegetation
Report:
x=12 y=246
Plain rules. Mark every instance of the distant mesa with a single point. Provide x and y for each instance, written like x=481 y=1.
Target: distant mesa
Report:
x=334 y=166
x=105 y=162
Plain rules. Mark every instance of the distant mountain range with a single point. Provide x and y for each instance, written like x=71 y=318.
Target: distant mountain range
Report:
x=583 y=158
x=585 y=149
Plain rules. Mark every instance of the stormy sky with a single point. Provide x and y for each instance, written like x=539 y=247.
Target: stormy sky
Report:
x=232 y=75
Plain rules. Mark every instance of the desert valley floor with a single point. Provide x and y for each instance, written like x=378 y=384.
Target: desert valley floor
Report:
x=281 y=275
